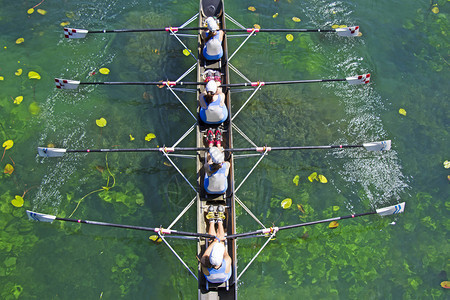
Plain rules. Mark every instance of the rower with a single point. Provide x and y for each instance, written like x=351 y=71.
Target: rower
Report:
x=216 y=172
x=212 y=104
x=213 y=40
x=216 y=262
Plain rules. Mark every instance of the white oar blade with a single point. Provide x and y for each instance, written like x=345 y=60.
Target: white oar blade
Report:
x=359 y=79
x=72 y=33
x=391 y=210
x=378 y=146
x=348 y=31
x=66 y=84
x=40 y=217
x=51 y=152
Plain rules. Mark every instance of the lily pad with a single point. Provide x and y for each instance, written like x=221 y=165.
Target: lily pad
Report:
x=154 y=238
x=312 y=176
x=18 y=100
x=333 y=225
x=34 y=108
x=322 y=179
x=104 y=71
x=8 y=169
x=100 y=122
x=149 y=137
x=336 y=208
x=34 y=75
x=8 y=144
x=17 y=201
x=286 y=203
x=296 y=179
x=10 y=261
x=186 y=52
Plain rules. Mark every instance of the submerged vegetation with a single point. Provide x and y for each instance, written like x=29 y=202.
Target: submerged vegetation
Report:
x=371 y=258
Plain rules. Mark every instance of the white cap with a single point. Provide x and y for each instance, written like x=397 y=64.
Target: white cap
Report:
x=216 y=256
x=217 y=155
x=211 y=86
x=212 y=24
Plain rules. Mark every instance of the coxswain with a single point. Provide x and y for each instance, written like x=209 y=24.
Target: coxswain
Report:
x=213 y=40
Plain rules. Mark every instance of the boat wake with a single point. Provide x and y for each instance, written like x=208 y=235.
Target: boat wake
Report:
x=378 y=175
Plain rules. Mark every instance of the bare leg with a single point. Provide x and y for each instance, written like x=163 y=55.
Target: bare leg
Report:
x=212 y=228
x=220 y=230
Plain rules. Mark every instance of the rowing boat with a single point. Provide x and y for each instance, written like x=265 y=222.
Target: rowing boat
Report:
x=228 y=289
x=206 y=290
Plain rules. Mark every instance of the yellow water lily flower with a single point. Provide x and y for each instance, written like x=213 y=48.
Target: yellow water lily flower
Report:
x=2 y=78
x=256 y=26
x=335 y=26
x=131 y=138
x=30 y=11
x=251 y=8
x=447 y=164
x=289 y=37
x=18 y=72
x=275 y=15
x=20 y=40
x=295 y=19
x=296 y=179
x=41 y=11
x=435 y=9
x=333 y=225
x=312 y=176
x=64 y=24
x=402 y=111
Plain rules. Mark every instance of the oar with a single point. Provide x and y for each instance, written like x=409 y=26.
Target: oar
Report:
x=57 y=152
x=386 y=211
x=49 y=218
x=73 y=84
x=345 y=31
x=73 y=33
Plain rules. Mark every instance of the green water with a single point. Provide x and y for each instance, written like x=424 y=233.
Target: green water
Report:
x=404 y=45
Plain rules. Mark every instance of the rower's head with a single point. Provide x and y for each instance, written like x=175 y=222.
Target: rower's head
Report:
x=211 y=89
x=217 y=155
x=212 y=24
x=216 y=256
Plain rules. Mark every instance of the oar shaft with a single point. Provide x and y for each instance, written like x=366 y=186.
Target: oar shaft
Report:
x=279 y=82
x=135 y=227
x=278 y=30
x=171 y=83
x=239 y=235
x=147 y=29
x=326 y=220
